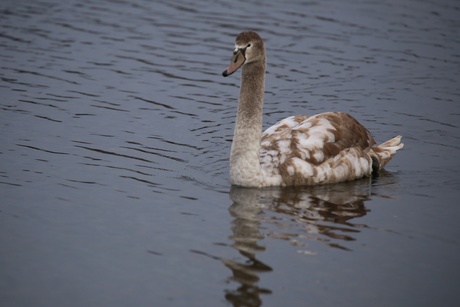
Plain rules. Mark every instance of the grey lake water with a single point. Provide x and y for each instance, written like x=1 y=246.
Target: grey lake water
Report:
x=115 y=132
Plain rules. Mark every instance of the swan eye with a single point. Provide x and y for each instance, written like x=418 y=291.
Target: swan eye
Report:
x=249 y=45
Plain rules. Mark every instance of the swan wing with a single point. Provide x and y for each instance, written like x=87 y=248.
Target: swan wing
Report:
x=324 y=148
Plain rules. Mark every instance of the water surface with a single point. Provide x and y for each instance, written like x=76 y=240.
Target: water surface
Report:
x=116 y=126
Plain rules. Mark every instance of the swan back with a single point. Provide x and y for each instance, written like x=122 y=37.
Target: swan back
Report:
x=324 y=148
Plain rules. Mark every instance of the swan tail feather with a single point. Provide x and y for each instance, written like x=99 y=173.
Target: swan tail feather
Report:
x=383 y=153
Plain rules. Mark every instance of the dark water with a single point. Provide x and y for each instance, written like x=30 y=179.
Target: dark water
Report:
x=116 y=127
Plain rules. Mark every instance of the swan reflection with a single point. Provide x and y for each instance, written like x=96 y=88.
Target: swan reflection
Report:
x=246 y=234
x=300 y=216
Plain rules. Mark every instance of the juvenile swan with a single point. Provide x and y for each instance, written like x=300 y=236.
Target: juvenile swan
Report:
x=299 y=150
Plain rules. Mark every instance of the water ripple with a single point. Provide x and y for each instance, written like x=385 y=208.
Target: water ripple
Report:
x=110 y=104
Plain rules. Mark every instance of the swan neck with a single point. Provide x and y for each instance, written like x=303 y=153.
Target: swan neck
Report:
x=245 y=167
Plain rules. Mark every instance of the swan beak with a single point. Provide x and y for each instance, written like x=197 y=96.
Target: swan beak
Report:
x=238 y=59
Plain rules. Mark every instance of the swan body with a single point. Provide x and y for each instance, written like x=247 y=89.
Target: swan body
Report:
x=325 y=148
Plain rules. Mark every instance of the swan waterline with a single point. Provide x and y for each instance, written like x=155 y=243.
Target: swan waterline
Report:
x=299 y=150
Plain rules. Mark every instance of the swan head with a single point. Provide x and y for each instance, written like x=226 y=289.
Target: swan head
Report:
x=249 y=48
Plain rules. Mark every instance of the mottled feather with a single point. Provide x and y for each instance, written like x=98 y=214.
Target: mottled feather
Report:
x=324 y=148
